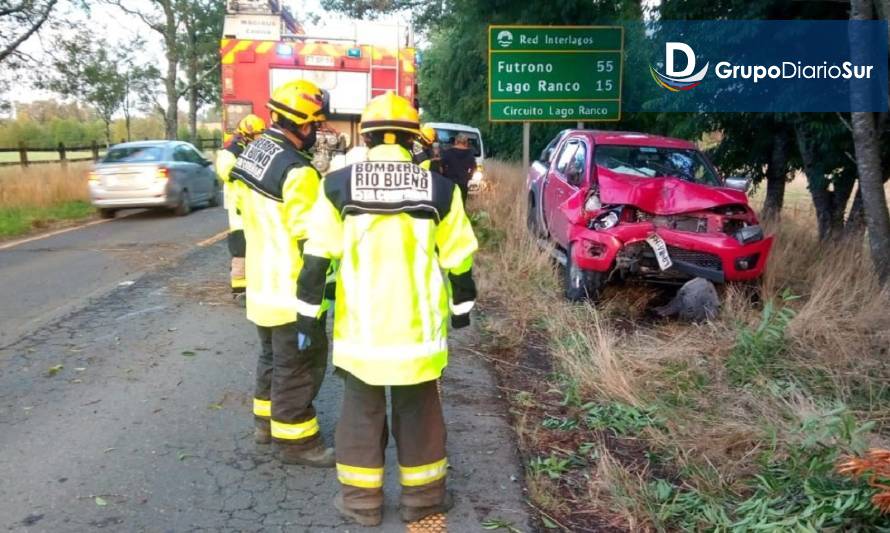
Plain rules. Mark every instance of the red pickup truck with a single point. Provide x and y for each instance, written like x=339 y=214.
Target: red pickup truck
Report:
x=621 y=204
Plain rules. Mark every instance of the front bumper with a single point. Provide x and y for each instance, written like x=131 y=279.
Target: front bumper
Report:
x=714 y=256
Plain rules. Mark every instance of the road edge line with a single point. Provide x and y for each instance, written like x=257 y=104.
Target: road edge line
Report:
x=33 y=238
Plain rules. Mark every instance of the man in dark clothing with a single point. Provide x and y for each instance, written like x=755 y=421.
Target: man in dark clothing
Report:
x=459 y=163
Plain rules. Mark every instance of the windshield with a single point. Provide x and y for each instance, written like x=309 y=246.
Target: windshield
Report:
x=446 y=139
x=652 y=161
x=134 y=154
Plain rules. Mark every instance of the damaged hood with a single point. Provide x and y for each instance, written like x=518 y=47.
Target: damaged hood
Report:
x=663 y=196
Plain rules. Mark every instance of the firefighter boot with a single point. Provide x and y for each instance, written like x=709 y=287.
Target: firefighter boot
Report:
x=262 y=434
x=413 y=514
x=318 y=456
x=362 y=517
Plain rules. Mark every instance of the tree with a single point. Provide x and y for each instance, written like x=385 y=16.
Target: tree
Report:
x=866 y=140
x=85 y=69
x=203 y=24
x=19 y=21
x=163 y=18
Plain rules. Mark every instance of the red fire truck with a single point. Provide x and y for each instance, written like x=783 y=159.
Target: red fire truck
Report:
x=263 y=47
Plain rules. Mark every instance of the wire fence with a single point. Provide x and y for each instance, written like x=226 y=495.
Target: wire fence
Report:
x=24 y=155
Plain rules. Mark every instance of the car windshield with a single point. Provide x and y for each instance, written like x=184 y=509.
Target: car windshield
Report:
x=134 y=154
x=656 y=161
x=446 y=139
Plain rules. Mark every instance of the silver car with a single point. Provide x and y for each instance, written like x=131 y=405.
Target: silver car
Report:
x=168 y=174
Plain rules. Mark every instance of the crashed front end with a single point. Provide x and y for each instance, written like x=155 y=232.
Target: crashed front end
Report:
x=671 y=232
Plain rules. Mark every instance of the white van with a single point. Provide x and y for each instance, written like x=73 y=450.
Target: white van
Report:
x=445 y=134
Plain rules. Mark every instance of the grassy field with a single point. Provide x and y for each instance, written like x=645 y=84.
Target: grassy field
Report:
x=630 y=423
x=42 y=196
x=13 y=157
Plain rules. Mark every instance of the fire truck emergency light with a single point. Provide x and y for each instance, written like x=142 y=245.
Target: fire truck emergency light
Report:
x=284 y=50
x=355 y=52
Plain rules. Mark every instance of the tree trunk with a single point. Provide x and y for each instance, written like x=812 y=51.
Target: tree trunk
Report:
x=855 y=225
x=193 y=94
x=171 y=115
x=817 y=181
x=776 y=176
x=868 y=163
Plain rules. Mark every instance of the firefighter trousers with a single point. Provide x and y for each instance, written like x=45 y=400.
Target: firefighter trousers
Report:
x=287 y=381
x=419 y=429
x=237 y=248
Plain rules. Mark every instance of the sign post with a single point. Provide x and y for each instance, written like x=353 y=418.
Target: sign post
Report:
x=554 y=74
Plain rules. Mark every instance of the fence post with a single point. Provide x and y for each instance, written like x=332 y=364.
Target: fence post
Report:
x=23 y=153
x=94 y=146
x=200 y=144
x=62 y=157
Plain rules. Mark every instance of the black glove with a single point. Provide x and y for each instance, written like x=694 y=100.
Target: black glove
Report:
x=460 y=321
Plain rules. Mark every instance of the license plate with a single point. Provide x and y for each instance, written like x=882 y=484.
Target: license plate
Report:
x=661 y=251
x=319 y=61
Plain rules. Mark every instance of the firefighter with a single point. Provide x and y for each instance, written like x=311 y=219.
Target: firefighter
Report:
x=280 y=187
x=425 y=150
x=248 y=129
x=394 y=228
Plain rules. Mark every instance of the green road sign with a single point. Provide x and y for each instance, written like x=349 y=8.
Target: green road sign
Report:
x=555 y=73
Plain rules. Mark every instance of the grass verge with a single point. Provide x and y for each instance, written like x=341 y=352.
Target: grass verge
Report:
x=39 y=197
x=628 y=423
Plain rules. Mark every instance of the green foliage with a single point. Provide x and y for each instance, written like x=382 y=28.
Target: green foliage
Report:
x=561 y=424
x=621 y=419
x=756 y=349
x=551 y=466
x=18 y=220
x=486 y=232
x=796 y=491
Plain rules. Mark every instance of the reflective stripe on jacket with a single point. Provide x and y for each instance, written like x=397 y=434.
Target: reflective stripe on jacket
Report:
x=225 y=160
x=277 y=188
x=396 y=230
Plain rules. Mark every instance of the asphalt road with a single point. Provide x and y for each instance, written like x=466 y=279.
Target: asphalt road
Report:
x=129 y=410
x=44 y=278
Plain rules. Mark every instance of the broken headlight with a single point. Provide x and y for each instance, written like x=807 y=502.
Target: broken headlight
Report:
x=604 y=221
x=749 y=234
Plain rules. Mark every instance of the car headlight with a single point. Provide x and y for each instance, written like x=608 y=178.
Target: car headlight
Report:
x=749 y=234
x=593 y=203
x=607 y=220
x=477 y=175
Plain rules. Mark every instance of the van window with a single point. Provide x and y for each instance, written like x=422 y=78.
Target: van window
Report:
x=445 y=138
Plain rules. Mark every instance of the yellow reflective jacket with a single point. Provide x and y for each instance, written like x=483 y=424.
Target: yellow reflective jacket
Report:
x=279 y=186
x=225 y=160
x=405 y=249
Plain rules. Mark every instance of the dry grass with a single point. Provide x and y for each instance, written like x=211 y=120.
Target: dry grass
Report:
x=43 y=185
x=716 y=431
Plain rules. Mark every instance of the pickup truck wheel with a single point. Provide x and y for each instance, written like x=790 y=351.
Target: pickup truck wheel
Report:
x=581 y=284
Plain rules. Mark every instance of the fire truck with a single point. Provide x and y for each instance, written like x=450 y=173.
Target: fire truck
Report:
x=264 y=46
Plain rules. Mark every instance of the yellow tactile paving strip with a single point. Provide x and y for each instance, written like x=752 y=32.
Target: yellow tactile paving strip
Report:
x=436 y=523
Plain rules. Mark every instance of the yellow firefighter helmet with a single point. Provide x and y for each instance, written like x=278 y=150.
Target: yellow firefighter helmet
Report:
x=390 y=112
x=300 y=102
x=250 y=126
x=428 y=134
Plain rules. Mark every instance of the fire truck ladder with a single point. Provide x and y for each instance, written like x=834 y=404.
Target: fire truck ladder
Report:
x=371 y=87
